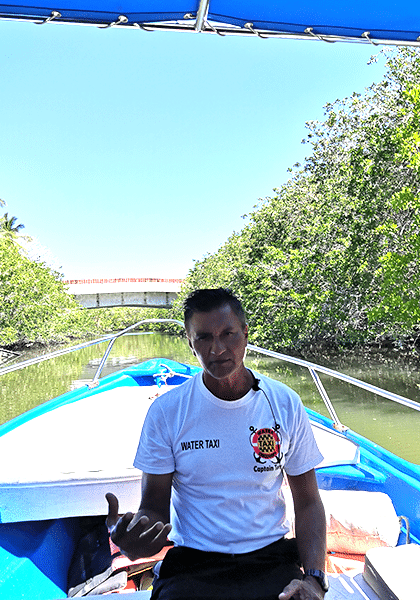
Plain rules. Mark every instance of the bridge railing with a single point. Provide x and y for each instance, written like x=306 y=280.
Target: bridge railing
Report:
x=122 y=280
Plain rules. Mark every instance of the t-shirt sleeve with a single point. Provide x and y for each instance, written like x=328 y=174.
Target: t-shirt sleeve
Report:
x=154 y=453
x=303 y=453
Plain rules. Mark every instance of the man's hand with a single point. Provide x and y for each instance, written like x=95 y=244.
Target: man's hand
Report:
x=302 y=590
x=137 y=535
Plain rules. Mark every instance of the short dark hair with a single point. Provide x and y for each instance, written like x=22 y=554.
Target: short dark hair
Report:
x=206 y=300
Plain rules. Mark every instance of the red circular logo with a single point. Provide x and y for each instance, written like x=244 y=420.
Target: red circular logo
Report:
x=266 y=443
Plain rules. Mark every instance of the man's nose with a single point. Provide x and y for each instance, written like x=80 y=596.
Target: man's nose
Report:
x=217 y=347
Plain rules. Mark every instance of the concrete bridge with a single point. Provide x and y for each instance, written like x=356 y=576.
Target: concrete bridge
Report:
x=133 y=291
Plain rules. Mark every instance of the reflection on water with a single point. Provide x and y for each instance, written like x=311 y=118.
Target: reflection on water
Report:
x=390 y=425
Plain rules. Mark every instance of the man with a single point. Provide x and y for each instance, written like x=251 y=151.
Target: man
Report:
x=216 y=449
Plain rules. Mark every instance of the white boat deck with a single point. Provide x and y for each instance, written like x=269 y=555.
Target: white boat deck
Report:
x=88 y=444
x=91 y=438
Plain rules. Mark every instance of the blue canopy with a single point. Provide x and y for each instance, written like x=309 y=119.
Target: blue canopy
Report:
x=374 y=21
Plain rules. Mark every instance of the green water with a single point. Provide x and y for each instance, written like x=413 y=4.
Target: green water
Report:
x=390 y=425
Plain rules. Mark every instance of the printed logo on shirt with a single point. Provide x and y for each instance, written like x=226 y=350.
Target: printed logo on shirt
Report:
x=200 y=444
x=266 y=443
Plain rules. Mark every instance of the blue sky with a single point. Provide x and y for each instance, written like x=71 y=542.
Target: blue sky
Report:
x=130 y=154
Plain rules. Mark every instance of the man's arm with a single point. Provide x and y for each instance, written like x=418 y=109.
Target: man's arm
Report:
x=145 y=533
x=310 y=528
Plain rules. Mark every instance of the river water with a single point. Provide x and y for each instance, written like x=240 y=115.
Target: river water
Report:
x=391 y=425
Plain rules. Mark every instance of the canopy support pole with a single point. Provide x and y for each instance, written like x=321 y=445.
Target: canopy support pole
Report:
x=203 y=11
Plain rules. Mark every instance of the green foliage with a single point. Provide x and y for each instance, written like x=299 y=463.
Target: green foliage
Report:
x=34 y=305
x=399 y=274
x=333 y=257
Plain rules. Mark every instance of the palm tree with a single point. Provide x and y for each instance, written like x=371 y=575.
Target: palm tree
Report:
x=10 y=231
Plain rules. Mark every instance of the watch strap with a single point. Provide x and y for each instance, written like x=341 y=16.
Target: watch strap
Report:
x=320 y=577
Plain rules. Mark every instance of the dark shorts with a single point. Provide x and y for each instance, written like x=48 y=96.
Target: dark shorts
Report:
x=189 y=574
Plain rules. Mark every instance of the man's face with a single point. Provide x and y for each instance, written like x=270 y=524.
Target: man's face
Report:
x=218 y=341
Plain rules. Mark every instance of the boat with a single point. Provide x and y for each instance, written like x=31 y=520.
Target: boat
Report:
x=62 y=457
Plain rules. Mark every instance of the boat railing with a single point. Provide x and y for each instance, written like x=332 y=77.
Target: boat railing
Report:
x=314 y=369
x=62 y=351
x=95 y=380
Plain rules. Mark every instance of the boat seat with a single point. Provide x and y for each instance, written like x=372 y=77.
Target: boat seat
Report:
x=356 y=520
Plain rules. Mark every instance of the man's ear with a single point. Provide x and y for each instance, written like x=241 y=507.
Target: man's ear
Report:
x=246 y=331
x=191 y=346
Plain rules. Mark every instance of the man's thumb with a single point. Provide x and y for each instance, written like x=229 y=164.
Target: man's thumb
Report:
x=112 y=517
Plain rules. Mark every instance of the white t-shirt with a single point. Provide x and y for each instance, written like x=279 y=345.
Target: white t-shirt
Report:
x=227 y=458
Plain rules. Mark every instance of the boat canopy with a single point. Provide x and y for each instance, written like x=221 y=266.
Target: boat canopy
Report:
x=395 y=22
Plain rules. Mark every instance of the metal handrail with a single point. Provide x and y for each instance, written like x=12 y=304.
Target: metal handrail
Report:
x=61 y=352
x=323 y=393
x=95 y=380
x=312 y=367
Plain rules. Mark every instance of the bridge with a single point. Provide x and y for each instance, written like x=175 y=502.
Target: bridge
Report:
x=132 y=291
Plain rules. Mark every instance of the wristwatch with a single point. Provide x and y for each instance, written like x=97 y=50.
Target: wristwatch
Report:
x=320 y=577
